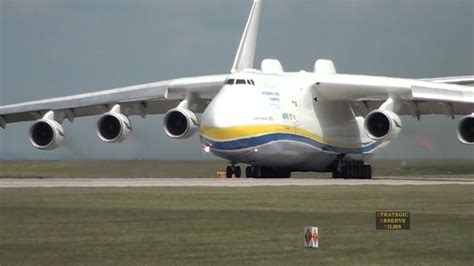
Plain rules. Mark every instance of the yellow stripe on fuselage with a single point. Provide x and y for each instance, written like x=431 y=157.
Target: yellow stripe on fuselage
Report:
x=247 y=131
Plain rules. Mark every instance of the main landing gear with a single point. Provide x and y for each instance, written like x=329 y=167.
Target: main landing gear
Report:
x=352 y=169
x=256 y=172
x=266 y=172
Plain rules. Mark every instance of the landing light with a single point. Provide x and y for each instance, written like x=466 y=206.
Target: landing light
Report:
x=207 y=149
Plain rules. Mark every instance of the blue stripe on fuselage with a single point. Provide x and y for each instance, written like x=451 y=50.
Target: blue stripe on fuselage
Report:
x=250 y=142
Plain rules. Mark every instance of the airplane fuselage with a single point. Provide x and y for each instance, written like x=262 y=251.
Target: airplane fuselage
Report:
x=276 y=120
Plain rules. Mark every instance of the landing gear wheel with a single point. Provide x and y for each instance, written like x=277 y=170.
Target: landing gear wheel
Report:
x=358 y=171
x=256 y=172
x=349 y=172
x=267 y=172
x=237 y=171
x=354 y=169
x=282 y=173
x=368 y=171
x=229 y=171
x=365 y=171
x=248 y=172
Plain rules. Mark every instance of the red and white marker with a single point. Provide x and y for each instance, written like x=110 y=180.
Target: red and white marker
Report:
x=311 y=237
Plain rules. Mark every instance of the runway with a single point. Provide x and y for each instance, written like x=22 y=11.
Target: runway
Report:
x=234 y=182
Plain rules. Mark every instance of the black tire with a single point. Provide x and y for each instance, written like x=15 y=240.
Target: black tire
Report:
x=349 y=172
x=248 y=172
x=266 y=172
x=229 y=171
x=358 y=171
x=345 y=172
x=256 y=172
x=283 y=174
x=365 y=171
x=237 y=171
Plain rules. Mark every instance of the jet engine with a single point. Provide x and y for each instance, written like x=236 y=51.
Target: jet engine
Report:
x=382 y=125
x=113 y=127
x=46 y=134
x=180 y=123
x=465 y=130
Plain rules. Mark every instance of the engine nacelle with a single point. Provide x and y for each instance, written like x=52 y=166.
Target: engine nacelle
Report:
x=180 y=123
x=113 y=127
x=382 y=125
x=465 y=130
x=46 y=134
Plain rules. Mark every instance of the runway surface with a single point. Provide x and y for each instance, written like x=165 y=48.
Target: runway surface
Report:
x=234 y=182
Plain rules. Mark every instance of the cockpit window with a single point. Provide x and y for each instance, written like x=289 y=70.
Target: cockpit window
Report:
x=239 y=81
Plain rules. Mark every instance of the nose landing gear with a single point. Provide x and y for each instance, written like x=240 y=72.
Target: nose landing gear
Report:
x=233 y=170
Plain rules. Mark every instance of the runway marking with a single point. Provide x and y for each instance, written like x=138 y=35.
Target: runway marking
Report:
x=214 y=182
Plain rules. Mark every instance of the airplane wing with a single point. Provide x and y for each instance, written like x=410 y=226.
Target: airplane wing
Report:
x=416 y=97
x=150 y=98
x=180 y=99
x=459 y=80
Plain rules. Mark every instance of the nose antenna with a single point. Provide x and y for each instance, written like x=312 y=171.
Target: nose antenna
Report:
x=246 y=52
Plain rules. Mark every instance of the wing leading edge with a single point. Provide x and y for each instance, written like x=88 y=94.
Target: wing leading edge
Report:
x=459 y=80
x=417 y=97
x=143 y=99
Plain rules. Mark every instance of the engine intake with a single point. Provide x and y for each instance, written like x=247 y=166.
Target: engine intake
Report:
x=113 y=127
x=46 y=134
x=465 y=130
x=180 y=123
x=382 y=125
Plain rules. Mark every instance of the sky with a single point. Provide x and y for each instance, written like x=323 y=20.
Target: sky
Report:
x=53 y=48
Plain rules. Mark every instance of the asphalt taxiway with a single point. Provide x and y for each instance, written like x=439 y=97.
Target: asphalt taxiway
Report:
x=234 y=182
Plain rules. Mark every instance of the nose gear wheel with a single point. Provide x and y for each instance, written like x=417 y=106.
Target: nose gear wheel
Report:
x=233 y=170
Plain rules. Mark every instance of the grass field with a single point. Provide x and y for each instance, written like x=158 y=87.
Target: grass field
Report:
x=157 y=169
x=229 y=226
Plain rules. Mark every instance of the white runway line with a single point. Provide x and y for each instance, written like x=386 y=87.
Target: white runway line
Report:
x=214 y=182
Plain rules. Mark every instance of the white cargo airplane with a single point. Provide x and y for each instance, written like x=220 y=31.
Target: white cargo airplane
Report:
x=275 y=121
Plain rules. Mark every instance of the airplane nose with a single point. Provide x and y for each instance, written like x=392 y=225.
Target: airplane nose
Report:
x=233 y=106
